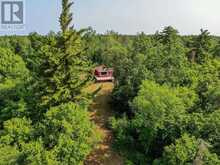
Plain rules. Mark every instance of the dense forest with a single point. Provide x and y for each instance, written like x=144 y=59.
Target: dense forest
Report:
x=166 y=96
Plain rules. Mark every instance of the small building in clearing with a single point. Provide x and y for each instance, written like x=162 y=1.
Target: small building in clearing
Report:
x=102 y=73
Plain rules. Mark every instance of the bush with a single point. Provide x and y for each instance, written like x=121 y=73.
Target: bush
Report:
x=68 y=133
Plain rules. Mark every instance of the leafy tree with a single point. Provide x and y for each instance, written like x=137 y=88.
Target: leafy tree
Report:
x=216 y=50
x=158 y=120
x=208 y=80
x=213 y=97
x=182 y=152
x=157 y=108
x=16 y=131
x=11 y=66
x=65 y=135
x=69 y=133
x=35 y=153
x=142 y=43
x=211 y=128
x=130 y=74
x=5 y=42
x=8 y=155
x=188 y=150
x=13 y=75
x=30 y=153
x=33 y=58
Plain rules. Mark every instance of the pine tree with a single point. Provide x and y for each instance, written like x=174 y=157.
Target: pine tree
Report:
x=65 y=66
x=203 y=45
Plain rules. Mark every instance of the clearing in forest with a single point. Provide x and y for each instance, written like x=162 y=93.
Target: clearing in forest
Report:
x=100 y=112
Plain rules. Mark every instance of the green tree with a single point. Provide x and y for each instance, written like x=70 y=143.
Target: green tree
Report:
x=68 y=133
x=42 y=120
x=203 y=45
x=142 y=43
x=170 y=37
x=9 y=155
x=157 y=108
x=203 y=41
x=16 y=131
x=11 y=66
x=182 y=152
x=216 y=50
x=65 y=68
x=158 y=120
x=13 y=75
x=188 y=150
x=207 y=86
x=211 y=129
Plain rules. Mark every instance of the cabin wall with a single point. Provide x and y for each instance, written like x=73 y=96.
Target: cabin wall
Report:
x=99 y=74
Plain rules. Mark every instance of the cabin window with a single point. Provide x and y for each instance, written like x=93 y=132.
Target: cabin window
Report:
x=104 y=73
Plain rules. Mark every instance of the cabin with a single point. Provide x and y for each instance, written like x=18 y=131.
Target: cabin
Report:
x=102 y=74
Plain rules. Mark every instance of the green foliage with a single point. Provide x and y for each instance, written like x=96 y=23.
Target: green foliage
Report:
x=69 y=133
x=64 y=69
x=188 y=96
x=182 y=152
x=11 y=66
x=203 y=41
x=8 y=155
x=13 y=76
x=142 y=43
x=162 y=60
x=158 y=111
x=160 y=93
x=167 y=104
x=188 y=150
x=66 y=135
x=16 y=131
x=169 y=36
x=159 y=117
x=154 y=104
x=211 y=130
x=68 y=119
x=208 y=80
x=42 y=116
x=216 y=50
x=203 y=46
x=66 y=16
x=213 y=97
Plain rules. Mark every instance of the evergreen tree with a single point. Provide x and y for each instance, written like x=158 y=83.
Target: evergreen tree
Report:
x=66 y=16
x=65 y=68
x=169 y=36
x=203 y=46
x=203 y=41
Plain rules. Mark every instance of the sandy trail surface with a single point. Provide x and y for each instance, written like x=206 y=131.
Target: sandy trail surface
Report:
x=100 y=112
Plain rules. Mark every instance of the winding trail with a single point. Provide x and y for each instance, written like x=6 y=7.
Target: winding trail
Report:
x=100 y=112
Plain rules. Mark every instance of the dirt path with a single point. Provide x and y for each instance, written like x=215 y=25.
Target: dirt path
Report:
x=100 y=114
